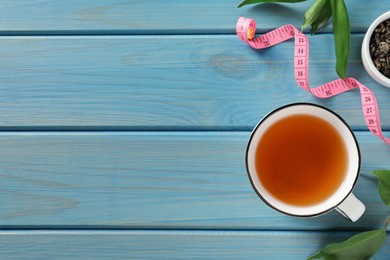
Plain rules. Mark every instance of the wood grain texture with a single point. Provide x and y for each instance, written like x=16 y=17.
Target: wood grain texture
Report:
x=156 y=180
x=157 y=17
x=163 y=82
x=127 y=67
x=168 y=244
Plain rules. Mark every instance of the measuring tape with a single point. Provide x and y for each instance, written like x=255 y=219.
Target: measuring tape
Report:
x=246 y=29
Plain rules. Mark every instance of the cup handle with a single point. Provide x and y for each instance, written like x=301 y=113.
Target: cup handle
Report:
x=351 y=208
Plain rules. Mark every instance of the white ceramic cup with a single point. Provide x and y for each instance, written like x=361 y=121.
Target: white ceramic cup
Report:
x=366 y=56
x=342 y=199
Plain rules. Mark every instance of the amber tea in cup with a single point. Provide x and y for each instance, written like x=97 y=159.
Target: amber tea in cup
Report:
x=303 y=160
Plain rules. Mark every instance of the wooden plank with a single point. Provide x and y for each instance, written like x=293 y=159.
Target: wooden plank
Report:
x=153 y=180
x=168 y=244
x=196 y=83
x=154 y=16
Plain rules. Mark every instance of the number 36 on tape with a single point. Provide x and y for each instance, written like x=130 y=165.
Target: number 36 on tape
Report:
x=246 y=29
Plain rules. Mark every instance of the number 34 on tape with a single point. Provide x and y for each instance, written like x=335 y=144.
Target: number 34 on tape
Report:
x=246 y=29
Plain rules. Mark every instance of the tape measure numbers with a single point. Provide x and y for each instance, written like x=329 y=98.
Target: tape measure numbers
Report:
x=246 y=29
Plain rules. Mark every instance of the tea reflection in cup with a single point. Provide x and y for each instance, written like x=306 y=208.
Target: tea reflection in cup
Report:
x=303 y=160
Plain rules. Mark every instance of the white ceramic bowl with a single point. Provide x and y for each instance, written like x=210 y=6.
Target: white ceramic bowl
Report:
x=366 y=57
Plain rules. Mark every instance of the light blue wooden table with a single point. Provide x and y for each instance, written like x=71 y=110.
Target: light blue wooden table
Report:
x=124 y=126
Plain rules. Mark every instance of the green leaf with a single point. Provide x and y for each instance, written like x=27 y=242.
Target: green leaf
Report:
x=312 y=13
x=384 y=185
x=249 y=2
x=361 y=246
x=323 y=18
x=341 y=31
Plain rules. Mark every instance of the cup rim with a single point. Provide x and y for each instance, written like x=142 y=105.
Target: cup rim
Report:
x=342 y=121
x=365 y=52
